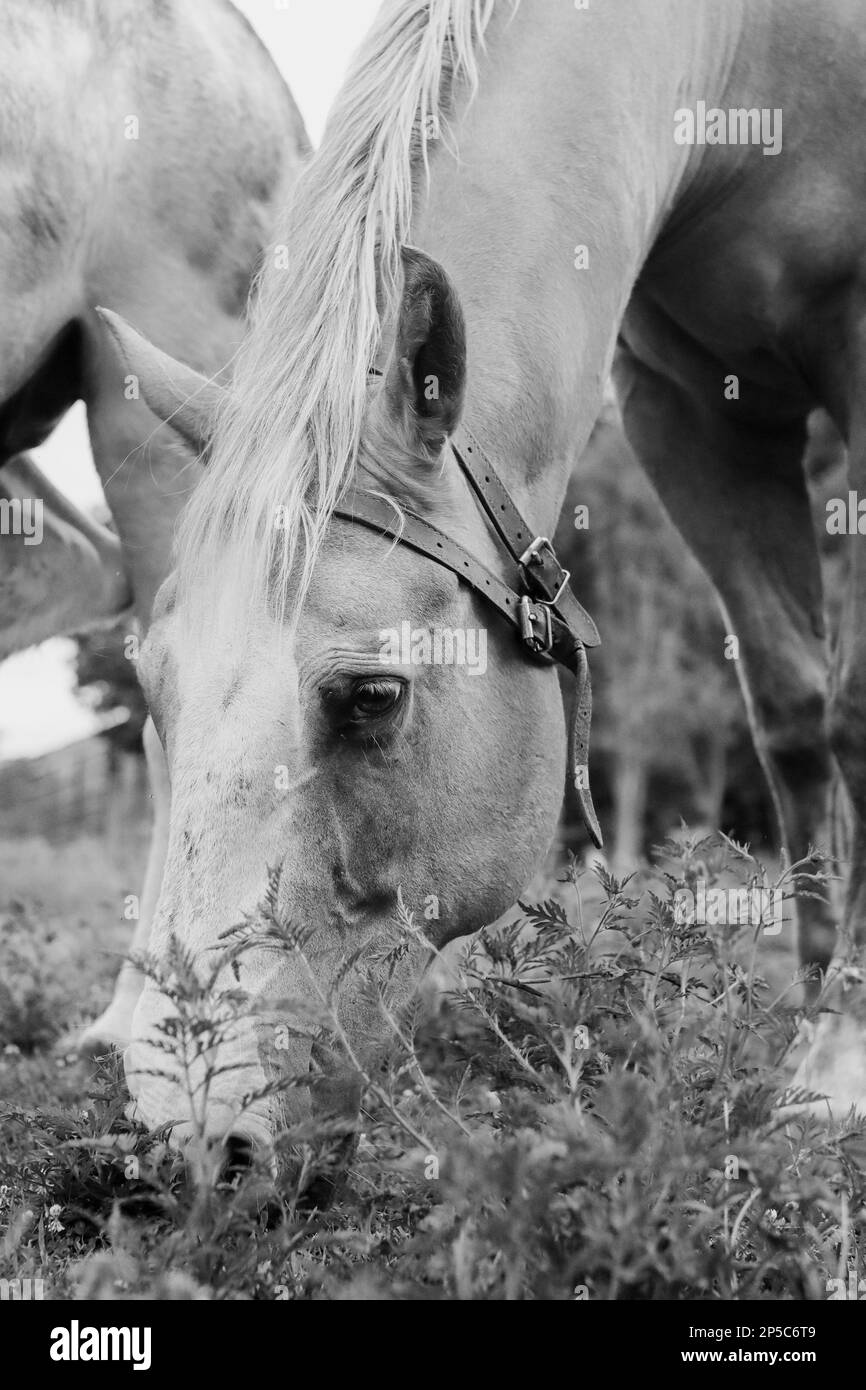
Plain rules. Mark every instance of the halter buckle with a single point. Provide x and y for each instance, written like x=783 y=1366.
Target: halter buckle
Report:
x=535 y=615
x=542 y=573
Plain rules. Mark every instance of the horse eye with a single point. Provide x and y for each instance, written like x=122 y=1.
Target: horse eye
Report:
x=375 y=697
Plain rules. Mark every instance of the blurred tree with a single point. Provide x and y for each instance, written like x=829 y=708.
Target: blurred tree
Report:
x=106 y=679
x=667 y=706
x=826 y=467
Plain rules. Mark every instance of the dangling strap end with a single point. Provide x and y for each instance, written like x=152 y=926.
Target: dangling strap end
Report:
x=581 y=720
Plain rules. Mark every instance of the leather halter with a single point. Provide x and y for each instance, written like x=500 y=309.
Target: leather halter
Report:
x=551 y=623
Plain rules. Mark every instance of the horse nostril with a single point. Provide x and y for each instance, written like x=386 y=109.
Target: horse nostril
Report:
x=238 y=1158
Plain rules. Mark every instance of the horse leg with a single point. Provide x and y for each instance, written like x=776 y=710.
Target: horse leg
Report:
x=147 y=477
x=67 y=576
x=113 y=1027
x=738 y=496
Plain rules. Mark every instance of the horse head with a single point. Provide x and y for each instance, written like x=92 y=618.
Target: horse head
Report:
x=364 y=746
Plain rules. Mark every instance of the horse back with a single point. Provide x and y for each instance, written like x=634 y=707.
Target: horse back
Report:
x=145 y=142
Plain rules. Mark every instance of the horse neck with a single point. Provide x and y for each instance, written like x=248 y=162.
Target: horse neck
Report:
x=567 y=144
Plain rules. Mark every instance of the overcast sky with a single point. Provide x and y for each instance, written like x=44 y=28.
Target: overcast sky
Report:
x=312 y=41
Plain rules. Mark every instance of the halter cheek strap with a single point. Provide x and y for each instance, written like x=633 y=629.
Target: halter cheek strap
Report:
x=551 y=623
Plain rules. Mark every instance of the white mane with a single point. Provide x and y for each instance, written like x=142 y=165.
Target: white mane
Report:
x=288 y=439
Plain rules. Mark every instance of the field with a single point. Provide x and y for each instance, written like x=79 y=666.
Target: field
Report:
x=582 y=1109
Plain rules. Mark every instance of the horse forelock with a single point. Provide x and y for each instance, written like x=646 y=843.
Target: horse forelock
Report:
x=289 y=439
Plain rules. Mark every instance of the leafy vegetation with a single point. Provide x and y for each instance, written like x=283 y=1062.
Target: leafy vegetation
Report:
x=589 y=1111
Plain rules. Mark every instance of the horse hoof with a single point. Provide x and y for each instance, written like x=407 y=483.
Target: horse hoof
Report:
x=109 y=1033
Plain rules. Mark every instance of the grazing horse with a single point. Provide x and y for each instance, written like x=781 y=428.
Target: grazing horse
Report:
x=673 y=183
x=146 y=145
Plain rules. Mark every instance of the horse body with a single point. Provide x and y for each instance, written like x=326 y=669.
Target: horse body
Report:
x=145 y=148
x=706 y=261
x=140 y=166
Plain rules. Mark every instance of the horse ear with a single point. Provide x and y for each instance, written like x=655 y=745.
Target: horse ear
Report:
x=426 y=378
x=179 y=395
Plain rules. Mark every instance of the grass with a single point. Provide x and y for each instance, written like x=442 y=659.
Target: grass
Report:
x=60 y=947
x=587 y=1111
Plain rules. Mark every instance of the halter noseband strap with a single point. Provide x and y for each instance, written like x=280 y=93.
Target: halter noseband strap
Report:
x=539 y=604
